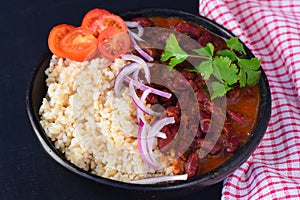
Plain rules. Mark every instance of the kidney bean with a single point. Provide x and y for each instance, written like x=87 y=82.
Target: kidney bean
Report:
x=201 y=96
x=237 y=117
x=205 y=38
x=232 y=142
x=216 y=149
x=195 y=129
x=189 y=29
x=248 y=91
x=166 y=102
x=152 y=99
x=200 y=82
x=188 y=75
x=233 y=95
x=180 y=83
x=163 y=144
x=182 y=147
x=219 y=44
x=193 y=85
x=227 y=128
x=191 y=165
x=208 y=145
x=143 y=21
x=173 y=111
x=204 y=121
x=174 y=128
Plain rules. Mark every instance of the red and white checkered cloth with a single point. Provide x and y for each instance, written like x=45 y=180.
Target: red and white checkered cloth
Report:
x=271 y=29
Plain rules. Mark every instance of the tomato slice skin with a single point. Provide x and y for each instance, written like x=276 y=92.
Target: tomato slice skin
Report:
x=55 y=36
x=112 y=20
x=79 y=44
x=112 y=42
x=91 y=20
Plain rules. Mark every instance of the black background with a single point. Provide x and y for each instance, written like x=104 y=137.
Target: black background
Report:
x=26 y=171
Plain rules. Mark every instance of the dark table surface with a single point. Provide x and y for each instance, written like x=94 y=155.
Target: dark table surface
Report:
x=26 y=171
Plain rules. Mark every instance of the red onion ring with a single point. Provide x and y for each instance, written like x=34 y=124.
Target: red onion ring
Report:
x=139 y=61
x=137 y=101
x=145 y=87
x=143 y=146
x=128 y=69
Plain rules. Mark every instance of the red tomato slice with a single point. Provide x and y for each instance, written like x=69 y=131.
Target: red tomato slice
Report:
x=112 y=42
x=79 y=44
x=55 y=36
x=92 y=20
x=112 y=20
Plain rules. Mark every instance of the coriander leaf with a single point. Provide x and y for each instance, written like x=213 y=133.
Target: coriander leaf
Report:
x=242 y=77
x=173 y=51
x=218 y=89
x=253 y=63
x=175 y=60
x=249 y=71
x=227 y=53
x=225 y=71
x=205 y=69
x=235 y=44
x=207 y=51
x=253 y=77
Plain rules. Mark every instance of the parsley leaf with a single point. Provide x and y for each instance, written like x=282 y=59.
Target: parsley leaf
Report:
x=207 y=51
x=227 y=53
x=218 y=89
x=205 y=69
x=173 y=52
x=249 y=71
x=227 y=67
x=235 y=44
x=225 y=71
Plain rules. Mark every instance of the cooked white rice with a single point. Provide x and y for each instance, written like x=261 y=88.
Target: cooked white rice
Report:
x=94 y=129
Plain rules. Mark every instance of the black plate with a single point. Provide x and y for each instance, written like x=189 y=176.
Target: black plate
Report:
x=37 y=90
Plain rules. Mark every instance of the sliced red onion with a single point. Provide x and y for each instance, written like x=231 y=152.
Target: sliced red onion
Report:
x=131 y=24
x=137 y=101
x=145 y=87
x=143 y=143
x=141 y=51
x=161 y=179
x=134 y=58
x=128 y=69
x=135 y=75
x=159 y=124
x=135 y=36
x=145 y=94
x=161 y=135
x=136 y=25
x=139 y=61
x=139 y=113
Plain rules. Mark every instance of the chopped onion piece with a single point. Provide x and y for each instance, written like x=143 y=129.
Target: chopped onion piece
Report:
x=135 y=36
x=135 y=25
x=137 y=101
x=141 y=51
x=133 y=58
x=161 y=135
x=161 y=179
x=145 y=94
x=128 y=69
x=159 y=124
x=131 y=24
x=135 y=75
x=139 y=61
x=143 y=146
x=145 y=87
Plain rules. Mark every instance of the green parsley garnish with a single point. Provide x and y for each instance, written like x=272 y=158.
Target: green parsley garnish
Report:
x=226 y=66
